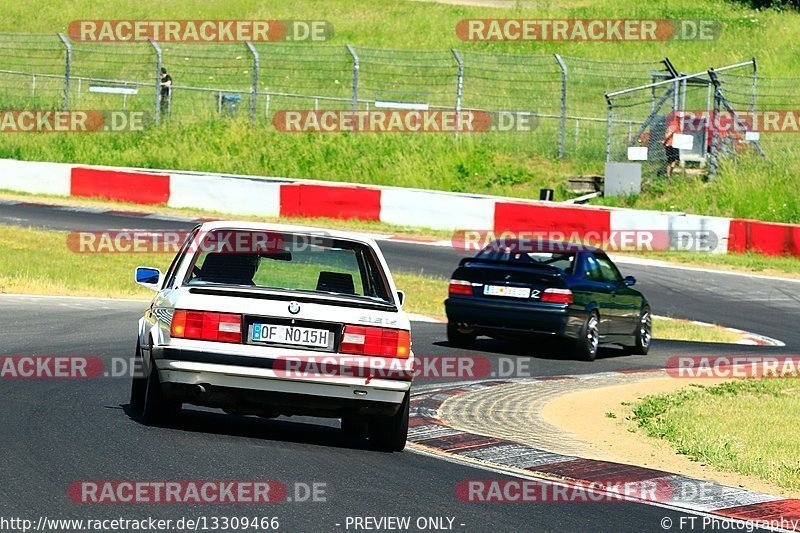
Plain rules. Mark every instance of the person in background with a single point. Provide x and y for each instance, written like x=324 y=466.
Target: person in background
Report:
x=673 y=154
x=166 y=91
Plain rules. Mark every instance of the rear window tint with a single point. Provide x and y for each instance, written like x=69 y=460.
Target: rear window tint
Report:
x=562 y=260
x=318 y=265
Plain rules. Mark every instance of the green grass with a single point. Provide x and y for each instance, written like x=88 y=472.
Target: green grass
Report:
x=407 y=24
x=516 y=165
x=745 y=263
x=741 y=426
x=430 y=161
x=746 y=187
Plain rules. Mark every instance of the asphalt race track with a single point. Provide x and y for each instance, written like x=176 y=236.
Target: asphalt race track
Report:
x=57 y=432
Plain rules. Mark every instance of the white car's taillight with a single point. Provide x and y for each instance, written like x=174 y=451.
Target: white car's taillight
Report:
x=206 y=326
x=379 y=342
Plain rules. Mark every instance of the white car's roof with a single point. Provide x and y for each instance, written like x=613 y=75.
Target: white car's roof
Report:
x=287 y=228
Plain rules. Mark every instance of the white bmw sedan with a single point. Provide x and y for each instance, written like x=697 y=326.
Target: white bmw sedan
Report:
x=260 y=320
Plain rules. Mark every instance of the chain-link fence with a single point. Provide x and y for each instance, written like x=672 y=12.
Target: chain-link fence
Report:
x=771 y=94
x=251 y=82
x=672 y=125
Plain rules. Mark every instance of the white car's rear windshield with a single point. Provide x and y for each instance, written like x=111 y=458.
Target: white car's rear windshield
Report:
x=289 y=262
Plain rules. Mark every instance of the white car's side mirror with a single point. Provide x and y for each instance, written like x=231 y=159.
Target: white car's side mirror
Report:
x=149 y=277
x=401 y=297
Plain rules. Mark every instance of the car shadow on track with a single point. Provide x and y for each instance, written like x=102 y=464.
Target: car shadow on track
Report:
x=302 y=430
x=546 y=348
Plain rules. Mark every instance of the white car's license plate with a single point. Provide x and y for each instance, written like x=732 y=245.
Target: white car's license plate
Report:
x=279 y=334
x=511 y=292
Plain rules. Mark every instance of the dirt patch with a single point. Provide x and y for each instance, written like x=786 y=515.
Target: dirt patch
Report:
x=582 y=416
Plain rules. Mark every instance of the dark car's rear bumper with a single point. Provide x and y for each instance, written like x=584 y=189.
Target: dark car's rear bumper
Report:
x=515 y=317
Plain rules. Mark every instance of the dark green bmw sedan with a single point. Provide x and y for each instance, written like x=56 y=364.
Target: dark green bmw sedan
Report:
x=516 y=289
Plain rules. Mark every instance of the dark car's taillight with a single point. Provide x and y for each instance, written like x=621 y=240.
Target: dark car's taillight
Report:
x=557 y=296
x=206 y=326
x=458 y=286
x=379 y=342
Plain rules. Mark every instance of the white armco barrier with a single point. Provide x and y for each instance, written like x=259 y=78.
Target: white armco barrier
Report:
x=438 y=210
x=34 y=177
x=237 y=196
x=675 y=231
x=253 y=195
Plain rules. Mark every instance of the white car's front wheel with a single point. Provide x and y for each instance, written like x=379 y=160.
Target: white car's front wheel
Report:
x=156 y=408
x=138 y=384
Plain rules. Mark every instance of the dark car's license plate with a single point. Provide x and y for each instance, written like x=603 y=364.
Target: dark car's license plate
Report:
x=503 y=290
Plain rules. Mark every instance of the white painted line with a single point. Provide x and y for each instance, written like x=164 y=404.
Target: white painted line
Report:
x=628 y=260
x=416 y=317
x=742 y=525
x=84 y=298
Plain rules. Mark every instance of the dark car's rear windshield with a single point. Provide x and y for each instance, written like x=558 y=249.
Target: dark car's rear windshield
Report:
x=561 y=260
x=292 y=262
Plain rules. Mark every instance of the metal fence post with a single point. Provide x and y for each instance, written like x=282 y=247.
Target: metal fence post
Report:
x=459 y=88
x=157 y=111
x=67 y=69
x=563 y=128
x=676 y=94
x=755 y=84
x=713 y=153
x=253 y=98
x=356 y=68
x=608 y=128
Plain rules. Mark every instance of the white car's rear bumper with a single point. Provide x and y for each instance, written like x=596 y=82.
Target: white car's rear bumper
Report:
x=268 y=380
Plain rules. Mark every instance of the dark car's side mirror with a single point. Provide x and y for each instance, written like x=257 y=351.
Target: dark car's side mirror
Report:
x=630 y=281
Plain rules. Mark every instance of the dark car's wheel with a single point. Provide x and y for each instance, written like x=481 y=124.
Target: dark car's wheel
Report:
x=589 y=338
x=644 y=334
x=391 y=432
x=157 y=410
x=138 y=383
x=460 y=337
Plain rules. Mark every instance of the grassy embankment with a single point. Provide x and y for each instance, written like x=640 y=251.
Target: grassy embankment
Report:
x=743 y=426
x=494 y=164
